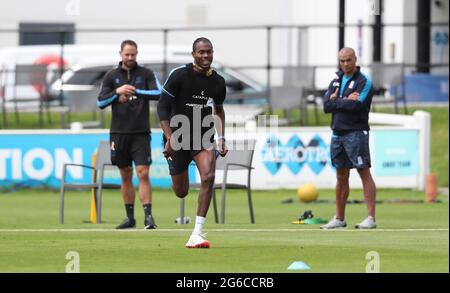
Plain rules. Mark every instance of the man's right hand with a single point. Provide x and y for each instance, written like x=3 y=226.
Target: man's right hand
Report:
x=168 y=150
x=123 y=99
x=353 y=96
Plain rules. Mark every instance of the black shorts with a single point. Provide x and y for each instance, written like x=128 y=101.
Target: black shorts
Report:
x=350 y=150
x=126 y=148
x=180 y=160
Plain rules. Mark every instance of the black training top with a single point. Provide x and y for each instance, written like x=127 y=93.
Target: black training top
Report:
x=191 y=94
x=133 y=115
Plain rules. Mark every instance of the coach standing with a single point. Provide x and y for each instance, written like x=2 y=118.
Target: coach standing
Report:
x=128 y=89
x=348 y=99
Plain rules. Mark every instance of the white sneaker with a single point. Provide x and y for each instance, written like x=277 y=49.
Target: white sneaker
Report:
x=334 y=224
x=198 y=241
x=367 y=223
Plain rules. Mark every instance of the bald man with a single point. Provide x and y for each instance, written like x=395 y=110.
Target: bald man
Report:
x=348 y=99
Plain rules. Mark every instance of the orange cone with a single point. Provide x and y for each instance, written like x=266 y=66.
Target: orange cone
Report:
x=431 y=189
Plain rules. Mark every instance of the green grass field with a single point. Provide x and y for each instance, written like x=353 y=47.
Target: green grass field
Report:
x=412 y=237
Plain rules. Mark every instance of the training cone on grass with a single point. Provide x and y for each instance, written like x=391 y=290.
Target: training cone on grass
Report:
x=307 y=193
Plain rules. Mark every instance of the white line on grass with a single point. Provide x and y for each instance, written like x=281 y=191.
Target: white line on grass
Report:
x=228 y=230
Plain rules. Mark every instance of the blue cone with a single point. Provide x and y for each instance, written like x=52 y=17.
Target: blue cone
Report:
x=298 y=265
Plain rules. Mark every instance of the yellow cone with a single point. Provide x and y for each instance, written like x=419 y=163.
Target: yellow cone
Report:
x=93 y=200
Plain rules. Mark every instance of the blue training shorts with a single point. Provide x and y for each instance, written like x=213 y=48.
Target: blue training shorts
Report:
x=350 y=150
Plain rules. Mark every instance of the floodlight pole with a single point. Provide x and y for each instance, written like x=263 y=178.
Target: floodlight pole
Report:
x=341 y=24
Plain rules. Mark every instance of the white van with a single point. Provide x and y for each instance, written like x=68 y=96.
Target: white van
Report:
x=73 y=73
x=25 y=70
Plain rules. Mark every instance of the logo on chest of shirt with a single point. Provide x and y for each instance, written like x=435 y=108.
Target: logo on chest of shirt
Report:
x=201 y=96
x=201 y=101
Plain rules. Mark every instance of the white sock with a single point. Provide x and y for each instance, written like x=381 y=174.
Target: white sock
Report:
x=199 y=221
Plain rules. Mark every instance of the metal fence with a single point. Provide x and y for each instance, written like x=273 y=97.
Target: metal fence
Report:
x=274 y=55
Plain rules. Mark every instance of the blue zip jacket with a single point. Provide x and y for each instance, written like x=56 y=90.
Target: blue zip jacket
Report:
x=349 y=115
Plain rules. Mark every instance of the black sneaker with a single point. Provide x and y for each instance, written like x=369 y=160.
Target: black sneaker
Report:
x=127 y=224
x=149 y=223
